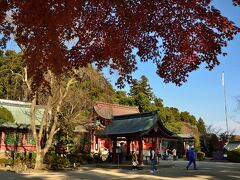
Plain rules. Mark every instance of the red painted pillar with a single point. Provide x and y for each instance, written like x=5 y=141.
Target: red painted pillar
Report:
x=93 y=139
x=140 y=155
x=24 y=139
x=134 y=144
x=128 y=149
x=156 y=144
x=2 y=141
x=114 y=153
x=96 y=146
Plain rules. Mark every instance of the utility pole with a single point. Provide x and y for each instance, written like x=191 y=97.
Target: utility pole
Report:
x=225 y=102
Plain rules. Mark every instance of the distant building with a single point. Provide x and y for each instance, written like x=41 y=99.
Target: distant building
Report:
x=236 y=138
x=230 y=146
x=17 y=136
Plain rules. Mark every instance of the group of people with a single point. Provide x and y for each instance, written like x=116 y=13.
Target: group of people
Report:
x=153 y=159
x=173 y=152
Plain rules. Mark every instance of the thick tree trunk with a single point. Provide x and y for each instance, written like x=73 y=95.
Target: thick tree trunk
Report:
x=49 y=120
x=39 y=160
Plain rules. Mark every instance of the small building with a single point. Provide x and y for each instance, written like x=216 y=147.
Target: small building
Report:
x=233 y=145
x=17 y=136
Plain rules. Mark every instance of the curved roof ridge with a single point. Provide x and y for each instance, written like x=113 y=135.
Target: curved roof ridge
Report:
x=116 y=105
x=127 y=116
x=108 y=110
x=6 y=101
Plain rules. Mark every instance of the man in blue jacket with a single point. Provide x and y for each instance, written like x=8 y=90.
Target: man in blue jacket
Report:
x=191 y=156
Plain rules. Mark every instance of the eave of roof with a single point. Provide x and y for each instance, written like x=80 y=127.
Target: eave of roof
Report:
x=16 y=126
x=21 y=112
x=185 y=136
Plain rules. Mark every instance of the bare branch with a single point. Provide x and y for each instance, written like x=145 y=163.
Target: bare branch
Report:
x=26 y=80
x=56 y=131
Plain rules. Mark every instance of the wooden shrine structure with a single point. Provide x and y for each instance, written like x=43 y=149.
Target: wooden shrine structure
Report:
x=137 y=127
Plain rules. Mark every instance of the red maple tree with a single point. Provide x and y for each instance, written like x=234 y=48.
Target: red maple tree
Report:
x=60 y=34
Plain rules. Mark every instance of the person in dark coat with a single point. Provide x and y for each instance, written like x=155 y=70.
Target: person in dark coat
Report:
x=153 y=160
x=191 y=156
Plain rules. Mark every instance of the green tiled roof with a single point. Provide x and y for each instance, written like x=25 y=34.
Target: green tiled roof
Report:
x=134 y=125
x=21 y=113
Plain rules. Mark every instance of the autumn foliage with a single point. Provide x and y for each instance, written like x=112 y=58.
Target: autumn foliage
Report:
x=60 y=34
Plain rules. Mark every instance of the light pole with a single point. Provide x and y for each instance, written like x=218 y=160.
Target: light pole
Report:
x=225 y=102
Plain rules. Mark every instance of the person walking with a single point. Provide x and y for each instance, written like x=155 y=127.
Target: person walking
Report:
x=174 y=152
x=134 y=161
x=153 y=160
x=191 y=156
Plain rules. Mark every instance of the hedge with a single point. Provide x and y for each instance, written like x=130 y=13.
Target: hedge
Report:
x=234 y=156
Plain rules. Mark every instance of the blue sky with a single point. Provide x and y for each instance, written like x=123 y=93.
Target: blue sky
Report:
x=203 y=94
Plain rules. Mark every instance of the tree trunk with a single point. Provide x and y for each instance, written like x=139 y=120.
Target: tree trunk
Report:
x=39 y=160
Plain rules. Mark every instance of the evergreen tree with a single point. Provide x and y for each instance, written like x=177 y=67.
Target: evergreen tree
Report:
x=11 y=68
x=142 y=94
x=201 y=126
x=188 y=118
x=122 y=98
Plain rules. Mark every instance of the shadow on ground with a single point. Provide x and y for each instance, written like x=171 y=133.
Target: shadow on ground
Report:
x=168 y=171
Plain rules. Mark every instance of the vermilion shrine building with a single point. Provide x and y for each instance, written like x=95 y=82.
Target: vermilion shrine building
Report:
x=123 y=129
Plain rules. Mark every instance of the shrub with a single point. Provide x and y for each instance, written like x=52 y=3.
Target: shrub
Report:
x=3 y=161
x=55 y=161
x=73 y=158
x=86 y=157
x=79 y=158
x=200 y=155
x=50 y=158
x=31 y=156
x=6 y=161
x=234 y=156
x=63 y=162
